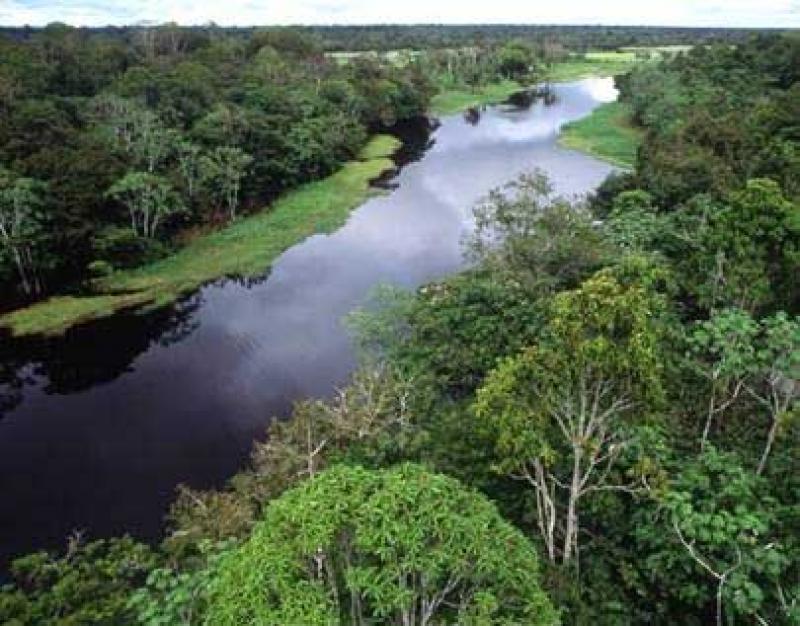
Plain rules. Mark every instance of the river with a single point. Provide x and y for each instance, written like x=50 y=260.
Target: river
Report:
x=101 y=425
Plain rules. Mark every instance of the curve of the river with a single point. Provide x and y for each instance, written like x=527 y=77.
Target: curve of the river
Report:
x=100 y=426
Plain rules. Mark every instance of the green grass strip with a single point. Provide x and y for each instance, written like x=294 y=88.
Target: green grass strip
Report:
x=607 y=134
x=452 y=101
x=245 y=248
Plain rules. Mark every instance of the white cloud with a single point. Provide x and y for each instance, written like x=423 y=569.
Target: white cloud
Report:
x=745 y=13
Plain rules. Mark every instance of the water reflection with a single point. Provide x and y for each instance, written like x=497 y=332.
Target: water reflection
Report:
x=111 y=417
x=472 y=115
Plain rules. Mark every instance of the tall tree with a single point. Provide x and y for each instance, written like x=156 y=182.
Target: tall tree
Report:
x=403 y=546
x=149 y=199
x=564 y=411
x=189 y=156
x=223 y=171
x=21 y=200
x=745 y=358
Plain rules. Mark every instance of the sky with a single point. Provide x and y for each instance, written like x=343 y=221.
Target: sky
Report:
x=732 y=13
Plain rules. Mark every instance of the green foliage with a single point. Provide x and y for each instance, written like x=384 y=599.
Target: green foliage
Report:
x=91 y=584
x=640 y=375
x=122 y=122
x=223 y=171
x=121 y=248
x=244 y=248
x=716 y=116
x=178 y=596
x=563 y=412
x=633 y=223
x=542 y=242
x=516 y=60
x=369 y=422
x=23 y=227
x=714 y=540
x=739 y=252
x=354 y=545
x=451 y=333
x=150 y=201
x=759 y=360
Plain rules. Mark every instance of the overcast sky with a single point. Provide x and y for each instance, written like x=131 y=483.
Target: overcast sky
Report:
x=746 y=13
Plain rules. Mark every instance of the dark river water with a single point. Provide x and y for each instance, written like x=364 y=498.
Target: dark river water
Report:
x=101 y=425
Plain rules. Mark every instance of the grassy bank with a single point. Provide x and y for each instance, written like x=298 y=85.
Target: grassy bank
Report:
x=590 y=65
x=245 y=248
x=607 y=134
x=452 y=101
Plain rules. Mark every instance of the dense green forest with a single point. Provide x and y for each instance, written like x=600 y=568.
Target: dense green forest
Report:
x=426 y=36
x=596 y=424
x=113 y=149
x=118 y=150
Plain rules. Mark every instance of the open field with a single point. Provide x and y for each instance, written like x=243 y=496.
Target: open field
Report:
x=245 y=248
x=656 y=51
x=606 y=134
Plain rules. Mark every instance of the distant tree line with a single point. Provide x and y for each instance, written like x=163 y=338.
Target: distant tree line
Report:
x=421 y=36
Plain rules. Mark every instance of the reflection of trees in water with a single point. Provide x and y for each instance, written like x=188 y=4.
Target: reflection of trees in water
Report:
x=548 y=94
x=472 y=116
x=91 y=354
x=415 y=134
x=12 y=379
x=98 y=352
x=525 y=99
x=248 y=282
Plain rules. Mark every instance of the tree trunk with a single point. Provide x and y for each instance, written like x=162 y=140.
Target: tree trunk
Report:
x=571 y=534
x=709 y=417
x=22 y=270
x=33 y=274
x=773 y=432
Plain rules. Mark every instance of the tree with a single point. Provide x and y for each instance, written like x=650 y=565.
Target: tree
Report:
x=516 y=60
x=717 y=522
x=90 y=584
x=724 y=351
x=753 y=239
x=137 y=131
x=21 y=221
x=403 y=546
x=223 y=171
x=778 y=369
x=761 y=359
x=633 y=222
x=189 y=162
x=149 y=199
x=544 y=242
x=564 y=411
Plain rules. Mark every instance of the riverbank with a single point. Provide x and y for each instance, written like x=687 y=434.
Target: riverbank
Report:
x=608 y=134
x=245 y=248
